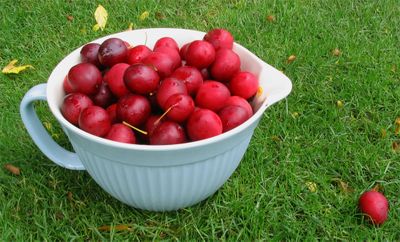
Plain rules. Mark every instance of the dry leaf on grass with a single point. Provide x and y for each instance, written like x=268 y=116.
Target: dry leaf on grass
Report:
x=13 y=169
x=336 y=52
x=271 y=18
x=130 y=27
x=344 y=186
x=397 y=126
x=120 y=227
x=101 y=17
x=383 y=133
x=144 y=15
x=395 y=146
x=69 y=196
x=291 y=59
x=377 y=188
x=70 y=18
x=394 y=68
x=12 y=69
x=312 y=187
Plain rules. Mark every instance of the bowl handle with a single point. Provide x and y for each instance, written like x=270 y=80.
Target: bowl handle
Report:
x=38 y=133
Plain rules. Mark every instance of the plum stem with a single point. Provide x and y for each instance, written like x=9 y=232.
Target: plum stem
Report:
x=165 y=113
x=133 y=127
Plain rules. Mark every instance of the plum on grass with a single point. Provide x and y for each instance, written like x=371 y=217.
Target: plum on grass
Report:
x=375 y=205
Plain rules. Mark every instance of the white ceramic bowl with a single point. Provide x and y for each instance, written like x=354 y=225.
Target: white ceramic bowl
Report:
x=158 y=177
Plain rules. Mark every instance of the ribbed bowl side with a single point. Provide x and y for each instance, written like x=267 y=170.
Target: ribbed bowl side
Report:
x=163 y=188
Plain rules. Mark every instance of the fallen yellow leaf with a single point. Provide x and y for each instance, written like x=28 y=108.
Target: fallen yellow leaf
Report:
x=12 y=69
x=295 y=114
x=291 y=59
x=144 y=15
x=130 y=27
x=311 y=186
x=101 y=17
x=120 y=227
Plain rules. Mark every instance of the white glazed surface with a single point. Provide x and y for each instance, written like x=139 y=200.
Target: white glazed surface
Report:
x=165 y=177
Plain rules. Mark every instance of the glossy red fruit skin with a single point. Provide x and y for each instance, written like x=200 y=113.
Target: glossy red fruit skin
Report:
x=232 y=116
x=173 y=53
x=212 y=95
x=200 y=54
x=163 y=63
x=167 y=42
x=168 y=133
x=89 y=53
x=133 y=109
x=137 y=54
x=203 y=124
x=375 y=205
x=67 y=86
x=168 y=87
x=190 y=76
x=115 y=79
x=104 y=96
x=220 y=38
x=141 y=79
x=241 y=102
x=121 y=133
x=225 y=65
x=84 y=78
x=112 y=112
x=112 y=51
x=95 y=120
x=72 y=106
x=183 y=50
x=244 y=84
x=182 y=106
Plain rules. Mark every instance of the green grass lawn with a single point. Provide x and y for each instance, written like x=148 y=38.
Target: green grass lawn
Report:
x=291 y=184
